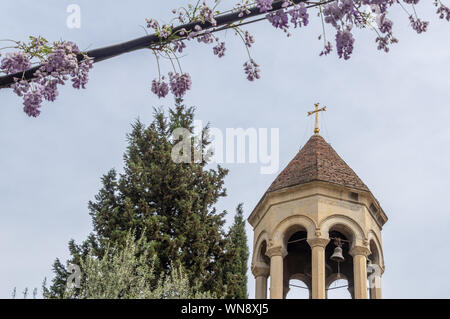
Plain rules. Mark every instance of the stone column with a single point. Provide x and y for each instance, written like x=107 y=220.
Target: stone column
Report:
x=359 y=254
x=276 y=255
x=318 y=267
x=261 y=272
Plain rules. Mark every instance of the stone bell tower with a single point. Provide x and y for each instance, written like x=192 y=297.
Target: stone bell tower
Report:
x=316 y=204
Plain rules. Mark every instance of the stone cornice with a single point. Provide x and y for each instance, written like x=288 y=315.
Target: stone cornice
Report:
x=264 y=204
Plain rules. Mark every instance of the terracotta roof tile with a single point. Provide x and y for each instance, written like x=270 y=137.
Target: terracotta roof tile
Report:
x=317 y=161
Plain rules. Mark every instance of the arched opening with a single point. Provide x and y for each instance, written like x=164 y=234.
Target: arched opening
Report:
x=262 y=257
x=298 y=289
x=297 y=264
x=339 y=273
x=338 y=289
x=261 y=270
x=374 y=256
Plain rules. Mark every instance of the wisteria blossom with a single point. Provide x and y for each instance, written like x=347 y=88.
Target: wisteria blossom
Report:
x=15 y=62
x=160 y=88
x=252 y=70
x=180 y=84
x=344 y=43
x=442 y=11
x=63 y=61
x=264 y=5
x=219 y=49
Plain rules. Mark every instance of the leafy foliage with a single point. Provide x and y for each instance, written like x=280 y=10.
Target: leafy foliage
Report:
x=172 y=202
x=124 y=272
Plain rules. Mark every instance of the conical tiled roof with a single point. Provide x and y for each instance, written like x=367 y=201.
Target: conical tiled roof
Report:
x=317 y=161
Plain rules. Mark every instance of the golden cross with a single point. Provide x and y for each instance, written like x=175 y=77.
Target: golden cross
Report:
x=316 y=111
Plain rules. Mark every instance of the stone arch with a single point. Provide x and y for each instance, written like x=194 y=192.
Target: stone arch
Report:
x=375 y=248
x=346 y=225
x=333 y=277
x=304 y=279
x=263 y=239
x=288 y=226
x=301 y=277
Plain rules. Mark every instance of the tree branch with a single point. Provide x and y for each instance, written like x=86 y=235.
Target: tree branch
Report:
x=105 y=53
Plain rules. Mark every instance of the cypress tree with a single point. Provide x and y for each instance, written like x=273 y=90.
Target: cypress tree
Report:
x=172 y=202
x=236 y=267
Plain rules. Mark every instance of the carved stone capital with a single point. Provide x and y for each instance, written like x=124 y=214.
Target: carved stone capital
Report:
x=276 y=251
x=359 y=250
x=318 y=242
x=260 y=269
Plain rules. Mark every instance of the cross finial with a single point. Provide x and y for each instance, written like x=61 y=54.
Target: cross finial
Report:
x=316 y=112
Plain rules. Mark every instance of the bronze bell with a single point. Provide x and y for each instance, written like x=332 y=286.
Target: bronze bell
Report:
x=337 y=255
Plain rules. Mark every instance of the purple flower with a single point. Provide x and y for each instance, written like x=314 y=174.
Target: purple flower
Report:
x=279 y=19
x=61 y=65
x=444 y=12
x=344 y=44
x=219 y=49
x=299 y=15
x=264 y=5
x=49 y=91
x=384 y=23
x=208 y=15
x=384 y=41
x=206 y=38
x=249 y=40
x=179 y=46
x=62 y=60
x=80 y=75
x=152 y=24
x=180 y=84
x=335 y=12
x=160 y=88
x=15 y=62
x=326 y=49
x=242 y=9
x=165 y=32
x=418 y=25
x=32 y=102
x=20 y=87
x=252 y=70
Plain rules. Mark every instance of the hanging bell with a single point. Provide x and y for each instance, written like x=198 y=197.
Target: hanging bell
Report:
x=337 y=255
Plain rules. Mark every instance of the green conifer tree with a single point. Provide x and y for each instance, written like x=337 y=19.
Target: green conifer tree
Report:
x=236 y=267
x=173 y=202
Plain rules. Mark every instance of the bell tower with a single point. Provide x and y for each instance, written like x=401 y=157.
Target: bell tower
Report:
x=318 y=222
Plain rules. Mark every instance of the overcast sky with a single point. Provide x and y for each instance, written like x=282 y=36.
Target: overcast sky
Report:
x=387 y=117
